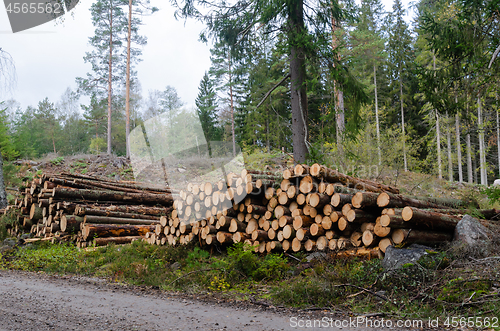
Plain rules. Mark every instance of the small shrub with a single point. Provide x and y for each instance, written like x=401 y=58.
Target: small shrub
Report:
x=57 y=161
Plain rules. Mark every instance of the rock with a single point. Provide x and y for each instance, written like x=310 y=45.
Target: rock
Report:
x=181 y=170
x=472 y=235
x=9 y=242
x=316 y=256
x=496 y=183
x=395 y=258
x=25 y=236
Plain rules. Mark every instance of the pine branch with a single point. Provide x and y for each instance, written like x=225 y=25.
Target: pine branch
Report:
x=271 y=90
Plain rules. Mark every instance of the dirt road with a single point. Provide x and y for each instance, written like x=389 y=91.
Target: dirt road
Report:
x=31 y=301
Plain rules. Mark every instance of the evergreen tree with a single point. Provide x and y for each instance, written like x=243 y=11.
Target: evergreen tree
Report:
x=206 y=103
x=107 y=56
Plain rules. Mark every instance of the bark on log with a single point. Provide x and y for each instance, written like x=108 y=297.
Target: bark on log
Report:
x=116 y=240
x=116 y=220
x=432 y=220
x=90 y=231
x=411 y=236
x=163 y=199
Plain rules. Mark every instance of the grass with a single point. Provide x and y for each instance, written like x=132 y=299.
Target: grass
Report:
x=442 y=285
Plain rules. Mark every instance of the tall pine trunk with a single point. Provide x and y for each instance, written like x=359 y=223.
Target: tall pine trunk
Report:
x=402 y=119
x=438 y=144
x=482 y=158
x=438 y=132
x=448 y=141
x=231 y=105
x=498 y=133
x=459 y=148
x=338 y=96
x=127 y=80
x=379 y=152
x=297 y=81
x=110 y=73
x=3 y=192
x=470 y=178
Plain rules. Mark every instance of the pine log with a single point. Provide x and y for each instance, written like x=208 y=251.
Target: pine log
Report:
x=356 y=238
x=429 y=219
x=115 y=240
x=288 y=232
x=36 y=213
x=360 y=216
x=117 y=220
x=384 y=243
x=95 y=195
x=307 y=185
x=340 y=199
x=316 y=230
x=259 y=235
x=322 y=243
x=399 y=201
x=302 y=221
x=364 y=199
x=115 y=230
x=381 y=231
x=284 y=220
x=318 y=200
x=224 y=237
x=420 y=237
x=240 y=237
x=237 y=226
x=70 y=223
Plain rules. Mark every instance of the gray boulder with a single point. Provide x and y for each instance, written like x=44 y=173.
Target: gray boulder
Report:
x=472 y=236
x=471 y=232
x=395 y=258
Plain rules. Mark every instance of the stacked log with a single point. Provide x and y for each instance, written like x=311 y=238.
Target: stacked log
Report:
x=89 y=210
x=311 y=208
x=303 y=208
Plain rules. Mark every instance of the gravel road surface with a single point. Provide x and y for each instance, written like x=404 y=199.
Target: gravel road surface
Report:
x=31 y=301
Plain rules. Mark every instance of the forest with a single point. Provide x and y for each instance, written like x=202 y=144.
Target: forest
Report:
x=339 y=82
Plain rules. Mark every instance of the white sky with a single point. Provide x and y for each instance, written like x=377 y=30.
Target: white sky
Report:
x=49 y=57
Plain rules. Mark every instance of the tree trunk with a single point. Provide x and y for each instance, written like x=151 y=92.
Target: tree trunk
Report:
x=3 y=193
x=127 y=81
x=438 y=143
x=498 y=134
x=231 y=104
x=438 y=132
x=459 y=148
x=297 y=84
x=482 y=157
x=448 y=140
x=110 y=74
x=402 y=120
x=470 y=178
x=379 y=151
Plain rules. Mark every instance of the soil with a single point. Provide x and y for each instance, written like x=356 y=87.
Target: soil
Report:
x=37 y=301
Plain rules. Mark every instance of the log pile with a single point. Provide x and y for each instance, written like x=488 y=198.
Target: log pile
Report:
x=89 y=210
x=309 y=208
x=302 y=208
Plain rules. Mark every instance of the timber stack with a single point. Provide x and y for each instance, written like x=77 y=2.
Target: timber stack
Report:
x=309 y=208
x=89 y=210
x=303 y=208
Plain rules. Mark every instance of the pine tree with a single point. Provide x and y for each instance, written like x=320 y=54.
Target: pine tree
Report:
x=107 y=56
x=206 y=109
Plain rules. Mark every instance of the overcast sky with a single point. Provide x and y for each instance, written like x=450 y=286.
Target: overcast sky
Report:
x=49 y=57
